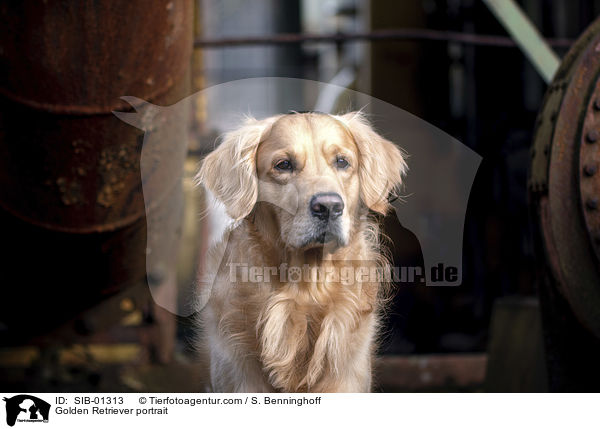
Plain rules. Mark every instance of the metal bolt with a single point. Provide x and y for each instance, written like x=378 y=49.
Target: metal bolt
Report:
x=592 y=136
x=592 y=203
x=590 y=169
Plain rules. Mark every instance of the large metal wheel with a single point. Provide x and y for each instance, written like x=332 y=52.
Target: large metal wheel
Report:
x=565 y=178
x=565 y=196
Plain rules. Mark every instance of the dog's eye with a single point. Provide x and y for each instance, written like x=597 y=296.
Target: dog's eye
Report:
x=341 y=162
x=284 y=165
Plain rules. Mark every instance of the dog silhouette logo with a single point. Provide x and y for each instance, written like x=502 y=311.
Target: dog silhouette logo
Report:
x=26 y=408
x=434 y=199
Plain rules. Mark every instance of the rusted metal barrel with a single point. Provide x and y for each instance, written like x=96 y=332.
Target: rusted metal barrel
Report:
x=72 y=210
x=565 y=193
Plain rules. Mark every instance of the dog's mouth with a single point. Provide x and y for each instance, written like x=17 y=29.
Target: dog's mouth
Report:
x=329 y=234
x=324 y=238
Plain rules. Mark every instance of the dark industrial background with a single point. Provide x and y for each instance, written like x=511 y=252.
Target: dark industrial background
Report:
x=75 y=313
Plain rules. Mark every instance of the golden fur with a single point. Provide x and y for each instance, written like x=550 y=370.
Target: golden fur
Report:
x=310 y=335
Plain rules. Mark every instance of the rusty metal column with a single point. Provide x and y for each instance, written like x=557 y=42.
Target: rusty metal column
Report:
x=72 y=218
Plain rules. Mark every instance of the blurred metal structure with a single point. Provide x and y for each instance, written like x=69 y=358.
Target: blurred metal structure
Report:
x=71 y=203
x=565 y=191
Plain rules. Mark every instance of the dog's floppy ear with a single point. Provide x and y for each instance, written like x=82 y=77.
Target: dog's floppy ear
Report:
x=229 y=171
x=381 y=163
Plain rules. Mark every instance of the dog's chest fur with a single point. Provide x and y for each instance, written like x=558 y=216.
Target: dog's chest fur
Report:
x=292 y=336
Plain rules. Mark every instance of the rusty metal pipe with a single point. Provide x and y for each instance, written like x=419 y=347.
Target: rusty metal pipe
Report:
x=408 y=34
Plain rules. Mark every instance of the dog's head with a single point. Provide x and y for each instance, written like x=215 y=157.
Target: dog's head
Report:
x=306 y=177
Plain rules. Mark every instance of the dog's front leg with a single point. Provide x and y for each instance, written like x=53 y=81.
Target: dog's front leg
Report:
x=342 y=356
x=282 y=338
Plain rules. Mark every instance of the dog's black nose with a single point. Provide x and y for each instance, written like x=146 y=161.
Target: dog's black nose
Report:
x=326 y=205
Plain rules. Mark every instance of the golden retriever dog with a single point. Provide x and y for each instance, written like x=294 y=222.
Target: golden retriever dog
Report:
x=302 y=190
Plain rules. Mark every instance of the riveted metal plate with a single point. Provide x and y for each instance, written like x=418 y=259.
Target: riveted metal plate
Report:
x=563 y=180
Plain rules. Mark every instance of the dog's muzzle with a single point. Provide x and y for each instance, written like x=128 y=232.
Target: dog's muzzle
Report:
x=326 y=208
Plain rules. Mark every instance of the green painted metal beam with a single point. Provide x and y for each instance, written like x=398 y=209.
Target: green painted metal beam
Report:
x=526 y=35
